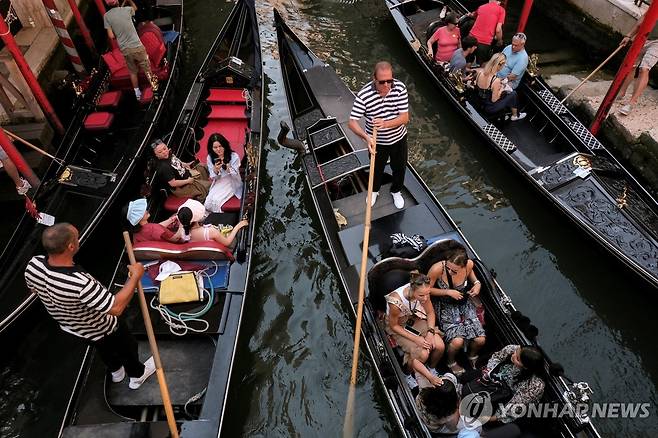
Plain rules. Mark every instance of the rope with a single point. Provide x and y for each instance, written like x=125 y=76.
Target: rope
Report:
x=179 y=323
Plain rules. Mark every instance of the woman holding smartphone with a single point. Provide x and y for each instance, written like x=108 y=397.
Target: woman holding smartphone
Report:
x=411 y=322
x=224 y=170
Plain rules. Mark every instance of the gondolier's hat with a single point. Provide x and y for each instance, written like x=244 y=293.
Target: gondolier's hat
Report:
x=136 y=211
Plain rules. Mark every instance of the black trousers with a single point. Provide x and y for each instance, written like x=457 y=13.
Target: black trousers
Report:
x=398 y=154
x=120 y=349
x=483 y=53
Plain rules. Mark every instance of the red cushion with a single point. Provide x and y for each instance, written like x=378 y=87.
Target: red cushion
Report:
x=98 y=121
x=154 y=47
x=232 y=205
x=109 y=99
x=147 y=96
x=173 y=202
x=223 y=95
x=114 y=61
x=156 y=250
x=232 y=130
x=234 y=112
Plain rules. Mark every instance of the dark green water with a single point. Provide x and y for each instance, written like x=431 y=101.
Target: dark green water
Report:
x=293 y=363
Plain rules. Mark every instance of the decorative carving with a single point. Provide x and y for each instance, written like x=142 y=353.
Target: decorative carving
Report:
x=559 y=174
x=533 y=68
x=603 y=215
x=457 y=79
x=634 y=206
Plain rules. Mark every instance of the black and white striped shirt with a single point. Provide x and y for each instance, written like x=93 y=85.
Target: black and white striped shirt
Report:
x=370 y=104
x=75 y=299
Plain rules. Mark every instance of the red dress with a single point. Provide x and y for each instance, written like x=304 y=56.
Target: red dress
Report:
x=151 y=232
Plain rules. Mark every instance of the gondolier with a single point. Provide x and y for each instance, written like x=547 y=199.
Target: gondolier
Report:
x=385 y=105
x=83 y=307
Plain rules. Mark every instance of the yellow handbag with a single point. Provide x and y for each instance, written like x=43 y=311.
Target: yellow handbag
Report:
x=181 y=287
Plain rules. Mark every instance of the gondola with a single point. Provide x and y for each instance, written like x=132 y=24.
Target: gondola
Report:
x=99 y=151
x=225 y=97
x=550 y=148
x=335 y=163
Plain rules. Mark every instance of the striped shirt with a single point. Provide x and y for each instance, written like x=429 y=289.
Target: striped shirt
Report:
x=370 y=104
x=75 y=299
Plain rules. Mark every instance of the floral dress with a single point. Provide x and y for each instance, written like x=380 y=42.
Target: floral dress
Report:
x=526 y=391
x=457 y=319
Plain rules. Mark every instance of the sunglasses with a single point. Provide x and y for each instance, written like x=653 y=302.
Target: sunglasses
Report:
x=156 y=143
x=421 y=282
x=452 y=271
x=385 y=81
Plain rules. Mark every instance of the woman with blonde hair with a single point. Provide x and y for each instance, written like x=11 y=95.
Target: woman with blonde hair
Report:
x=410 y=320
x=491 y=89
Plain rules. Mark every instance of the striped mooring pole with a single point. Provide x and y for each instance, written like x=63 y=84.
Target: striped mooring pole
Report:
x=65 y=38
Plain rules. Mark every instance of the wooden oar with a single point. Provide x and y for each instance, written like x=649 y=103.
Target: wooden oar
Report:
x=348 y=426
x=164 y=390
x=36 y=148
x=593 y=72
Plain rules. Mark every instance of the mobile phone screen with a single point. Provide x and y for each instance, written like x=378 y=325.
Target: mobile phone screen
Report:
x=412 y=330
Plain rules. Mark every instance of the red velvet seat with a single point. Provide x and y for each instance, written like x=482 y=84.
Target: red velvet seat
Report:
x=156 y=250
x=172 y=203
x=232 y=205
x=225 y=95
x=98 y=121
x=147 y=96
x=109 y=100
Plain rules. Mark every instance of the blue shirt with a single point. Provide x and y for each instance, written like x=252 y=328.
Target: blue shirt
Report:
x=458 y=61
x=517 y=62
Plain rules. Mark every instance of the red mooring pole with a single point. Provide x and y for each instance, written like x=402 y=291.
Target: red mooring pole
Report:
x=29 y=77
x=65 y=38
x=645 y=28
x=17 y=158
x=84 y=30
x=525 y=13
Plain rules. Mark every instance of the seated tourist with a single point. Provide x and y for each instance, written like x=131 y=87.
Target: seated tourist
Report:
x=185 y=180
x=516 y=61
x=458 y=61
x=453 y=286
x=438 y=408
x=224 y=170
x=410 y=321
x=142 y=230
x=490 y=89
x=193 y=231
x=447 y=39
x=517 y=371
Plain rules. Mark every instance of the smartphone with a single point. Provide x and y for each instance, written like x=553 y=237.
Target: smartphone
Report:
x=411 y=330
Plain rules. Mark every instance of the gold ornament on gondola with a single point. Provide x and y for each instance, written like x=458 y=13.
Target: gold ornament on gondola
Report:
x=622 y=200
x=582 y=161
x=457 y=79
x=533 y=68
x=153 y=79
x=251 y=154
x=66 y=175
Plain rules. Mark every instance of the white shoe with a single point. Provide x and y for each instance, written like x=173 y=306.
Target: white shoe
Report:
x=398 y=200
x=24 y=187
x=373 y=199
x=626 y=109
x=118 y=375
x=149 y=368
x=519 y=116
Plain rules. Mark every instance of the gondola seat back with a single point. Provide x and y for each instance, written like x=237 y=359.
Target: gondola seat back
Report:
x=157 y=250
x=393 y=272
x=172 y=203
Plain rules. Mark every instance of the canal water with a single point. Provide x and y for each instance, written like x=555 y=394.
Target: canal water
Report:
x=293 y=362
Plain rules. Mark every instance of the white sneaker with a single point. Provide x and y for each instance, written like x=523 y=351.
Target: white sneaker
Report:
x=626 y=109
x=149 y=368
x=118 y=375
x=24 y=187
x=398 y=200
x=519 y=116
x=373 y=199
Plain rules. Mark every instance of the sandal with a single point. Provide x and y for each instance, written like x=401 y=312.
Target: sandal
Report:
x=456 y=369
x=473 y=360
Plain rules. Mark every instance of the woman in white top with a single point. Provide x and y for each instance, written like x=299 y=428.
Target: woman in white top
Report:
x=224 y=171
x=410 y=320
